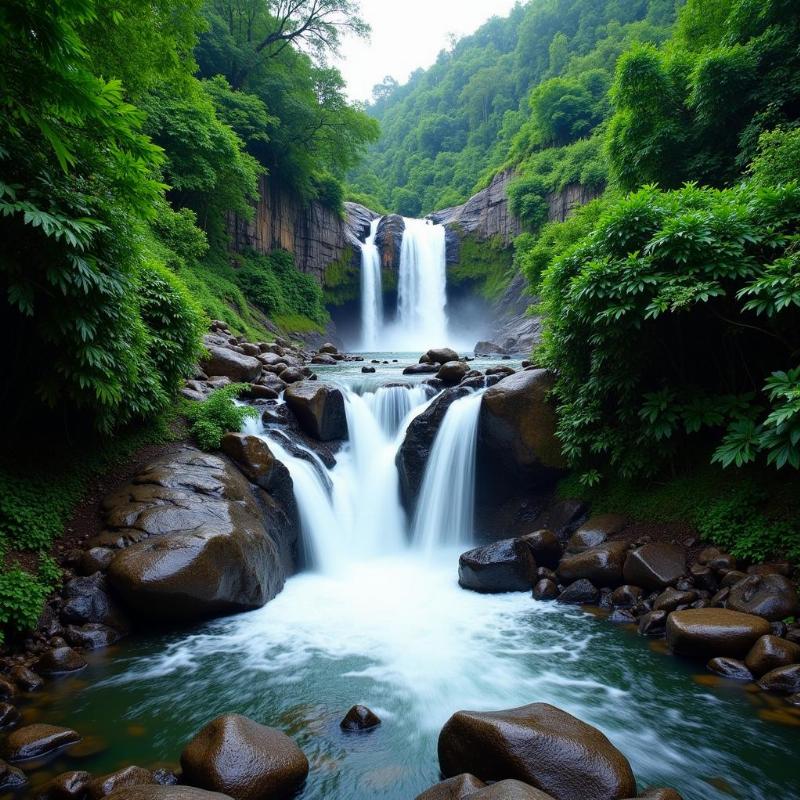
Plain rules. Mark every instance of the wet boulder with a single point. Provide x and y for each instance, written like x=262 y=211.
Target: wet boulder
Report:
x=26 y=678
x=581 y=592
x=504 y=566
x=709 y=632
x=659 y=793
x=230 y=364
x=323 y=358
x=545 y=547
x=129 y=776
x=653 y=623
x=59 y=660
x=37 y=741
x=452 y=372
x=771 y=652
x=9 y=715
x=206 y=550
x=254 y=458
x=594 y=532
x=11 y=778
x=88 y=599
x=783 y=679
x=241 y=758
x=626 y=596
x=456 y=788
x=671 y=599
x=602 y=565
x=731 y=668
x=156 y=792
x=359 y=718
x=413 y=454
x=770 y=596
x=66 y=786
x=517 y=446
x=319 y=408
x=540 y=745
x=545 y=589
x=655 y=565
x=441 y=355
x=421 y=369
x=92 y=636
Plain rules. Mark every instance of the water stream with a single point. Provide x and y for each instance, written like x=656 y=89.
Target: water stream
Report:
x=380 y=619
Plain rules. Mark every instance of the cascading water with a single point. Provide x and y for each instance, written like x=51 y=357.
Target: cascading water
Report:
x=371 y=291
x=390 y=405
x=422 y=284
x=445 y=510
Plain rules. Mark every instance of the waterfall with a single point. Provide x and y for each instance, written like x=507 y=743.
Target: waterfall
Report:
x=445 y=509
x=422 y=285
x=371 y=291
x=391 y=405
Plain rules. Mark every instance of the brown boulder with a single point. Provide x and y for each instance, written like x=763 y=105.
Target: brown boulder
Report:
x=26 y=678
x=517 y=445
x=595 y=531
x=771 y=652
x=452 y=372
x=456 y=788
x=504 y=566
x=655 y=565
x=11 y=778
x=770 y=596
x=602 y=565
x=323 y=358
x=35 y=741
x=545 y=547
x=237 y=756
x=9 y=715
x=441 y=355
x=129 y=776
x=66 y=786
x=545 y=589
x=782 y=679
x=539 y=745
x=253 y=456
x=671 y=598
x=709 y=632
x=230 y=364
x=330 y=349
x=156 y=792
x=207 y=553
x=319 y=408
x=626 y=596
x=359 y=718
x=731 y=668
x=59 y=660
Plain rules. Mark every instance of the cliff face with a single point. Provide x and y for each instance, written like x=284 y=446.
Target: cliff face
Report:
x=316 y=235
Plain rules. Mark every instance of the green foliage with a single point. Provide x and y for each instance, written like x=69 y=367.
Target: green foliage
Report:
x=275 y=285
x=518 y=86
x=22 y=598
x=778 y=159
x=342 y=280
x=652 y=316
x=696 y=109
x=218 y=415
x=484 y=265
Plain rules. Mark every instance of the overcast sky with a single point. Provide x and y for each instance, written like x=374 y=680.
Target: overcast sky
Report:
x=407 y=34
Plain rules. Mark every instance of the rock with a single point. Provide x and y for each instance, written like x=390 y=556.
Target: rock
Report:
x=420 y=369
x=66 y=786
x=9 y=715
x=731 y=668
x=595 y=531
x=504 y=566
x=782 y=679
x=11 y=778
x=709 y=632
x=769 y=653
x=323 y=358
x=237 y=756
x=659 y=793
x=601 y=565
x=272 y=383
x=626 y=596
x=293 y=375
x=389 y=239
x=129 y=776
x=517 y=446
x=359 y=718
x=256 y=391
x=545 y=589
x=96 y=559
x=35 y=741
x=771 y=568
x=319 y=408
x=368 y=370
x=545 y=547
x=165 y=793
x=562 y=518
x=653 y=623
x=582 y=592
x=510 y=790
x=622 y=616
x=456 y=788
x=452 y=372
x=670 y=599
x=87 y=598
x=59 y=660
x=413 y=454
x=794 y=700
x=770 y=596
x=253 y=456
x=329 y=349
x=207 y=553
x=441 y=355
x=484 y=348
x=655 y=565
x=92 y=636
x=25 y=678
x=229 y=363
x=539 y=745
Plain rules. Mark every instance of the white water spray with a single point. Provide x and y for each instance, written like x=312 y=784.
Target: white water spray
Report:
x=445 y=510
x=371 y=291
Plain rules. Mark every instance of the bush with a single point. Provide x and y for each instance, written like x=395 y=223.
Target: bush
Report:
x=679 y=317
x=218 y=415
x=22 y=598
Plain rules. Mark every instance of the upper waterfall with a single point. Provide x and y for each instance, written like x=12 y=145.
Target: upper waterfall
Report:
x=420 y=321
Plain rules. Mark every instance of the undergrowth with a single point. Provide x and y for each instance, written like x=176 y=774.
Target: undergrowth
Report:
x=212 y=418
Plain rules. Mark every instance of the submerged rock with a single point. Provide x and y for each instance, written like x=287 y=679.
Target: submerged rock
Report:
x=11 y=778
x=156 y=792
x=709 y=632
x=66 y=786
x=59 y=660
x=128 y=776
x=539 y=745
x=731 y=668
x=248 y=761
x=319 y=408
x=504 y=566
x=36 y=741
x=359 y=718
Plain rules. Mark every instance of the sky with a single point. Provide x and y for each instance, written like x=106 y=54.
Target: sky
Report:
x=407 y=35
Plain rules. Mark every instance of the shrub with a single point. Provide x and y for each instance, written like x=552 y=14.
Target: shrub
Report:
x=212 y=418
x=22 y=598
